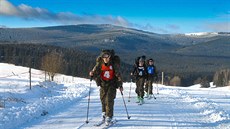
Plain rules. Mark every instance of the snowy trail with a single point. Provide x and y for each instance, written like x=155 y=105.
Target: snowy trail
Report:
x=71 y=117
x=173 y=108
x=63 y=104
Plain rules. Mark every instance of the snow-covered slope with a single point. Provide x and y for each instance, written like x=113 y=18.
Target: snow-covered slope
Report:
x=20 y=105
x=201 y=34
x=63 y=104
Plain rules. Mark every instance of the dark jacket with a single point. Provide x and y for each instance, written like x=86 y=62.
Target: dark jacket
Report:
x=139 y=71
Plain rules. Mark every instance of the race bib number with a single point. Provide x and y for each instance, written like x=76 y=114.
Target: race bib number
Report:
x=107 y=74
x=140 y=73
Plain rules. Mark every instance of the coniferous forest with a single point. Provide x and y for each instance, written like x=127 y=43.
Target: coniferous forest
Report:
x=185 y=60
x=74 y=62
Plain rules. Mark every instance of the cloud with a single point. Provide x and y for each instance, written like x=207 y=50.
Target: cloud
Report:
x=3 y=26
x=221 y=26
x=31 y=13
x=8 y=9
x=149 y=27
x=35 y=13
x=172 y=27
x=218 y=27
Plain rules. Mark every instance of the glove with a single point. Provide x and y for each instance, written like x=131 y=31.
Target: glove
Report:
x=98 y=81
x=121 y=89
x=119 y=84
x=156 y=78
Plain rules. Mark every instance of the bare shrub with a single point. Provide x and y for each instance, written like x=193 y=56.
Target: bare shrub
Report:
x=175 y=81
x=52 y=63
x=222 y=78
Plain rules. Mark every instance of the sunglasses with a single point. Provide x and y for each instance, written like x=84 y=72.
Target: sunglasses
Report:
x=105 y=56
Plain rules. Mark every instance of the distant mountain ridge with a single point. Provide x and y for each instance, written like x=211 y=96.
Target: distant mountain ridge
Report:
x=94 y=37
x=77 y=32
x=174 y=53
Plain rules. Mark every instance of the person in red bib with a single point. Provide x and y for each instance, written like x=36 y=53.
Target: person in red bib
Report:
x=108 y=76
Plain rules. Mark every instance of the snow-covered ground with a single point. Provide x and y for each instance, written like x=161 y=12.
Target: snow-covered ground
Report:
x=63 y=104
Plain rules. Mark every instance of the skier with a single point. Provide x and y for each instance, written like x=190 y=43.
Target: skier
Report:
x=151 y=77
x=140 y=72
x=107 y=75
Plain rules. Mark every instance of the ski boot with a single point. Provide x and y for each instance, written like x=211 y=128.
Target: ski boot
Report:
x=138 y=100
x=108 y=121
x=141 y=101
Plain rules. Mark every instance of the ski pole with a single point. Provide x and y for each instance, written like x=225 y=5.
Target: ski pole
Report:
x=149 y=87
x=130 y=89
x=157 y=85
x=87 y=121
x=125 y=105
x=157 y=88
x=154 y=96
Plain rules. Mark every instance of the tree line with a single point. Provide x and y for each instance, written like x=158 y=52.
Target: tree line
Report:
x=75 y=62
x=67 y=61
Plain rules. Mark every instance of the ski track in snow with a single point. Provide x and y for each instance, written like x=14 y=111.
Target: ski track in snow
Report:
x=208 y=109
x=173 y=108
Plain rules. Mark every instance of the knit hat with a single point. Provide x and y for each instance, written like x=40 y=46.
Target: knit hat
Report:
x=105 y=53
x=151 y=60
x=141 y=60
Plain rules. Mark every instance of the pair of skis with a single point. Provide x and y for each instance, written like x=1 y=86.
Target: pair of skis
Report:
x=150 y=96
x=99 y=124
x=148 y=91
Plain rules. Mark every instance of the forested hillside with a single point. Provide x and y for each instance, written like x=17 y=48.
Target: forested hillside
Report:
x=189 y=57
x=75 y=62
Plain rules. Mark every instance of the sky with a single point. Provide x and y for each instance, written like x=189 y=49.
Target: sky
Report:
x=159 y=16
